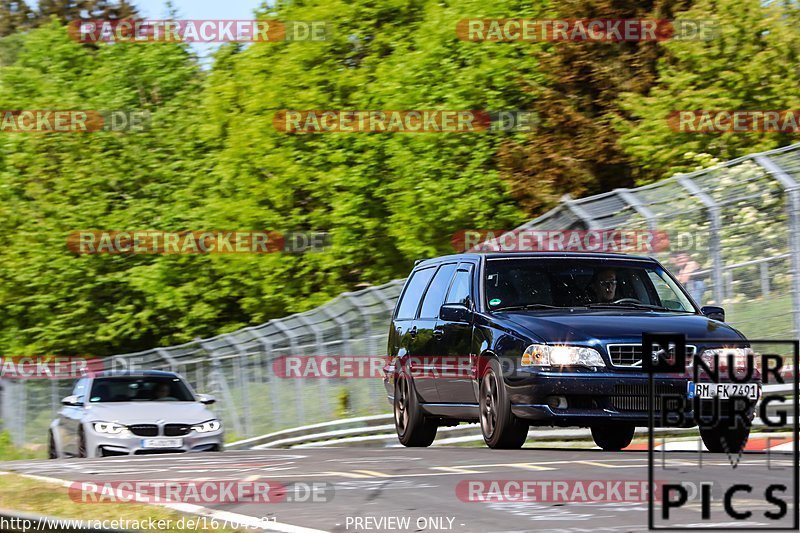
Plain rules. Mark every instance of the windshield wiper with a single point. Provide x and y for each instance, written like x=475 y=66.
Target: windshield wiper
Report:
x=527 y=306
x=631 y=305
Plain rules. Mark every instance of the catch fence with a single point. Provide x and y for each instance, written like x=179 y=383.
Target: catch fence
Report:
x=740 y=221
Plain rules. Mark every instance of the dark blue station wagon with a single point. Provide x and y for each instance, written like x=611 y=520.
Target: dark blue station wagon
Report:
x=512 y=340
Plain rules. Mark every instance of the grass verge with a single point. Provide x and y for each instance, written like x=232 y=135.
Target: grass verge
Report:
x=39 y=497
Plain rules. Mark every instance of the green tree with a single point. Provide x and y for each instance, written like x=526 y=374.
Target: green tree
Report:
x=69 y=10
x=575 y=149
x=748 y=66
x=15 y=15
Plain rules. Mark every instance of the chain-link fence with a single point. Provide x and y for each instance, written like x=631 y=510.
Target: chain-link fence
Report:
x=738 y=221
x=238 y=368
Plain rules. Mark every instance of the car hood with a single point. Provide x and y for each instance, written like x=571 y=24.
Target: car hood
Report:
x=149 y=412
x=593 y=326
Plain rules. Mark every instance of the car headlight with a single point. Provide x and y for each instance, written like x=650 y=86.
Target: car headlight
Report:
x=207 y=427
x=721 y=357
x=111 y=428
x=546 y=355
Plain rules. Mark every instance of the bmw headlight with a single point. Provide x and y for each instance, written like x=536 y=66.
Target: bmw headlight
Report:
x=547 y=355
x=207 y=427
x=110 y=428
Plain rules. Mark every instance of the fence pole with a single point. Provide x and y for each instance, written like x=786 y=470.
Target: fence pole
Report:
x=300 y=397
x=632 y=200
x=714 y=238
x=793 y=208
x=217 y=378
x=244 y=393
x=324 y=388
x=272 y=380
x=579 y=212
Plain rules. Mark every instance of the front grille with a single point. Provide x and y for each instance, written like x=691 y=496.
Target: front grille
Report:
x=631 y=354
x=144 y=430
x=635 y=397
x=177 y=430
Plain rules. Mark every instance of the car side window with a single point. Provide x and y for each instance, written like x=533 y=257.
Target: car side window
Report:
x=434 y=297
x=80 y=388
x=460 y=290
x=413 y=294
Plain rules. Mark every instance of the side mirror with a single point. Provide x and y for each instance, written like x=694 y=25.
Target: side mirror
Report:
x=72 y=401
x=455 y=313
x=713 y=312
x=206 y=399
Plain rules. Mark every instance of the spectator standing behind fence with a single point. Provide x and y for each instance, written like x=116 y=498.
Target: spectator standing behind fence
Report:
x=686 y=268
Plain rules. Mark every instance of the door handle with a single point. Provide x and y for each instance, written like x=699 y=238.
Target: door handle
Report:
x=438 y=333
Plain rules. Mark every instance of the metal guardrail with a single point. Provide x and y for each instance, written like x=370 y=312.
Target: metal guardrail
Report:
x=379 y=430
x=359 y=425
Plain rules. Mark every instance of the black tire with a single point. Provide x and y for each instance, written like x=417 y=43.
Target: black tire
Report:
x=413 y=429
x=51 y=446
x=724 y=439
x=500 y=428
x=613 y=437
x=81 y=443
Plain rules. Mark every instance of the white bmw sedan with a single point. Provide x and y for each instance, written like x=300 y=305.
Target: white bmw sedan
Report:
x=134 y=413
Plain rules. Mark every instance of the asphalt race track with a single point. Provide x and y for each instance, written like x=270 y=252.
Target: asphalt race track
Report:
x=376 y=489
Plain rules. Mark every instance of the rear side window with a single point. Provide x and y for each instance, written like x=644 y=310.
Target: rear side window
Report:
x=413 y=293
x=459 y=292
x=434 y=298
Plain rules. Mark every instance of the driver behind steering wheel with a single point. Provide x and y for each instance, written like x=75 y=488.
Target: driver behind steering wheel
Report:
x=603 y=287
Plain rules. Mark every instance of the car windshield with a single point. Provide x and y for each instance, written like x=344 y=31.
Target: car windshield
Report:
x=542 y=283
x=139 y=389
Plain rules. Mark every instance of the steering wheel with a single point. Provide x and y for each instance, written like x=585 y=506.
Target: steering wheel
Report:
x=626 y=301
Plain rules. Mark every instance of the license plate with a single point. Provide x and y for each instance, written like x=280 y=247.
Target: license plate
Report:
x=162 y=443
x=723 y=391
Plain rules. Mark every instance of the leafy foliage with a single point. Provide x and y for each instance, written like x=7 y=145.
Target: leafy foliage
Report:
x=213 y=159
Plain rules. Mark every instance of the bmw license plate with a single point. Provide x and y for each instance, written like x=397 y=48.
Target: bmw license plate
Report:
x=723 y=391
x=162 y=443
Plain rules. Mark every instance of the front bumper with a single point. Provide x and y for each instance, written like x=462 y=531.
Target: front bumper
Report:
x=103 y=445
x=584 y=399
